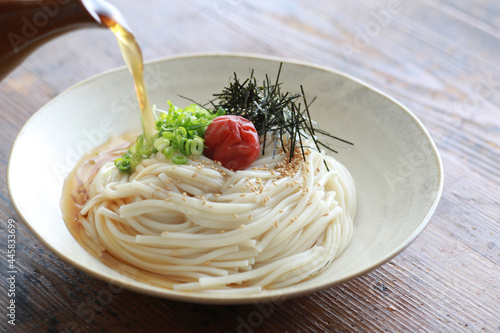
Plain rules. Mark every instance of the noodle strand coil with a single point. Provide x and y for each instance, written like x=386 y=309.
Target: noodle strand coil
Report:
x=202 y=227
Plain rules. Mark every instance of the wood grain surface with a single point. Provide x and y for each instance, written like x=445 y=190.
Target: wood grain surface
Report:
x=438 y=57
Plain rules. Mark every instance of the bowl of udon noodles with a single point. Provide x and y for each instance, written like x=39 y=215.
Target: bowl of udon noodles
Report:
x=204 y=233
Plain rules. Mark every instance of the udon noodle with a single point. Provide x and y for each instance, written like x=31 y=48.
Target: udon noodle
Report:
x=202 y=227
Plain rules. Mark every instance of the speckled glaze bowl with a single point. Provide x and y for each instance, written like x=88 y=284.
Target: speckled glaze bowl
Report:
x=394 y=162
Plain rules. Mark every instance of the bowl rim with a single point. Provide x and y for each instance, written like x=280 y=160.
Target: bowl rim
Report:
x=268 y=296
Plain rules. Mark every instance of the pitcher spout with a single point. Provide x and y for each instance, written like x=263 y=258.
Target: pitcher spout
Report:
x=26 y=25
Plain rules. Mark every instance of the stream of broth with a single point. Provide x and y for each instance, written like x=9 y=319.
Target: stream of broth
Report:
x=75 y=194
x=132 y=55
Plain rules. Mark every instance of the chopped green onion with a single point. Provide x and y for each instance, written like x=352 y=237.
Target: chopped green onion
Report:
x=168 y=135
x=168 y=152
x=180 y=135
x=180 y=159
x=161 y=143
x=182 y=146
x=196 y=146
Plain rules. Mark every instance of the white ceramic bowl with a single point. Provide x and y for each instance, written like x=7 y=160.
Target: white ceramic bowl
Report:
x=394 y=162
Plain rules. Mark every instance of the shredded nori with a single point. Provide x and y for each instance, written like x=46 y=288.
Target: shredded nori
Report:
x=283 y=114
x=272 y=111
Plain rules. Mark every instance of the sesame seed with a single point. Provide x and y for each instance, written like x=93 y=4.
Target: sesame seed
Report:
x=194 y=175
x=235 y=216
x=276 y=224
x=222 y=231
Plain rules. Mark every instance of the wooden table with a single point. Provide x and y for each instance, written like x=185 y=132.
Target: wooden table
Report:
x=438 y=57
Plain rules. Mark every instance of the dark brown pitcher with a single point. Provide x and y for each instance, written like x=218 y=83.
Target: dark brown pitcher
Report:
x=27 y=24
